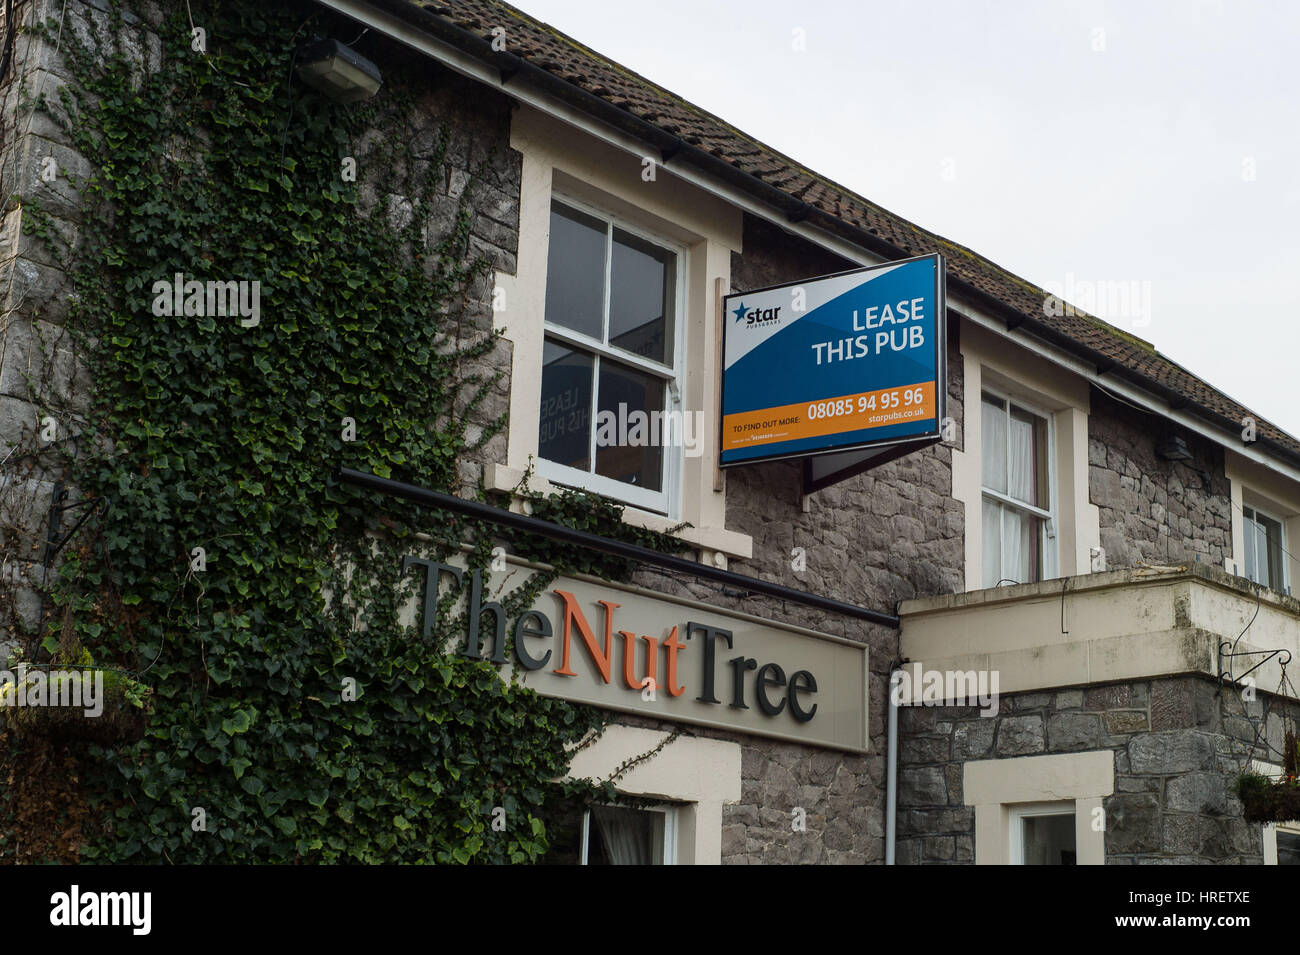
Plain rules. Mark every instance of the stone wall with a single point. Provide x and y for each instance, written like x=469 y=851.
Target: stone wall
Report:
x=1153 y=510
x=476 y=122
x=45 y=389
x=1179 y=747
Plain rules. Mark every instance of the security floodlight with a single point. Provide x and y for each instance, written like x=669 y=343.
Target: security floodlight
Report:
x=338 y=71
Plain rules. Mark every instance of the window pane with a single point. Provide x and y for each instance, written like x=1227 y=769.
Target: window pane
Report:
x=1041 y=451
x=991 y=546
x=994 y=451
x=629 y=426
x=1027 y=479
x=624 y=837
x=1250 y=546
x=1021 y=534
x=1288 y=848
x=641 y=297
x=575 y=271
x=1261 y=552
x=1015 y=547
x=1049 y=840
x=564 y=432
x=1022 y=472
x=1272 y=531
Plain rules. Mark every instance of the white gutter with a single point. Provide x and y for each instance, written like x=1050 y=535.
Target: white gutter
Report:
x=470 y=66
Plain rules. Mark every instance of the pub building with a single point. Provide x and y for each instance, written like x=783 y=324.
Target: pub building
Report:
x=973 y=576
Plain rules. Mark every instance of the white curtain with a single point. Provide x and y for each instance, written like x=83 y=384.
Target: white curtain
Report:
x=994 y=446
x=1009 y=545
x=1262 y=567
x=1021 y=465
x=1015 y=546
x=626 y=837
x=1251 y=529
x=1010 y=466
x=992 y=544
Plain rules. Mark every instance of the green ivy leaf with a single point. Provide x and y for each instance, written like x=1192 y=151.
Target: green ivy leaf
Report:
x=239 y=723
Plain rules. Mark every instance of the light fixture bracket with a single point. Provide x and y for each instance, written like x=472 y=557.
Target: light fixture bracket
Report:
x=338 y=71
x=1174 y=448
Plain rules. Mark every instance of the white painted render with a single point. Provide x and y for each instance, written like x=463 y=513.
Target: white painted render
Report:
x=701 y=774
x=993 y=786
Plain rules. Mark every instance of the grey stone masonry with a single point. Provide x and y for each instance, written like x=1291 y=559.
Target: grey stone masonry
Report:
x=1179 y=745
x=45 y=387
x=1152 y=509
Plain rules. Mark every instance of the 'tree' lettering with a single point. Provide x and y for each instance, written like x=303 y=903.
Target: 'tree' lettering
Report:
x=801 y=681
x=768 y=675
x=710 y=635
x=738 y=667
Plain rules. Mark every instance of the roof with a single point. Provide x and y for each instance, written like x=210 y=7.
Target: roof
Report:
x=593 y=79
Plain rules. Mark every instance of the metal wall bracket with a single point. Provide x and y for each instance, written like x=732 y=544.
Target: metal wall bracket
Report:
x=55 y=538
x=1227 y=653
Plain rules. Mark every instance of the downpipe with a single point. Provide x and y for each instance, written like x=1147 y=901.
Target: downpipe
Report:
x=891 y=770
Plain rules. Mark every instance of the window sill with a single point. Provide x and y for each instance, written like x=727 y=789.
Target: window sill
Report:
x=717 y=539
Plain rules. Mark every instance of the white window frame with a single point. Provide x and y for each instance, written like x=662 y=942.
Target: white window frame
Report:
x=1016 y=816
x=994 y=786
x=669 y=500
x=1050 y=538
x=1283 y=557
x=1270 y=833
x=1269 y=830
x=670 y=833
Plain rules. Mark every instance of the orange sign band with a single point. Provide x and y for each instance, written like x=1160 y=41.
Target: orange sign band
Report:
x=814 y=419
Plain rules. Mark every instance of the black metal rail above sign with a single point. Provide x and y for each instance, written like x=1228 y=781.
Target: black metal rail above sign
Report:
x=569 y=535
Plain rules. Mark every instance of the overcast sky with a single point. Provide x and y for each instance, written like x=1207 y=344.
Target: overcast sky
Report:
x=1151 y=143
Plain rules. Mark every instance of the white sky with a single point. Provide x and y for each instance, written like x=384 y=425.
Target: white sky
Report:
x=1169 y=157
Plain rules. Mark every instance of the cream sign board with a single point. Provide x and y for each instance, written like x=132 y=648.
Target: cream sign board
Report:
x=629 y=649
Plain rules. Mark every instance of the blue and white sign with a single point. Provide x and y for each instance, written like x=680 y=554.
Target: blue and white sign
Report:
x=853 y=360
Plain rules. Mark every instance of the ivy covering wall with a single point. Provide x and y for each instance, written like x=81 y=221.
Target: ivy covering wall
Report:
x=290 y=716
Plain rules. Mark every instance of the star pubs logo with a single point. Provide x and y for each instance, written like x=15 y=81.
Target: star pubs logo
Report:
x=756 y=316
